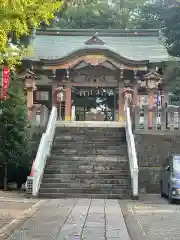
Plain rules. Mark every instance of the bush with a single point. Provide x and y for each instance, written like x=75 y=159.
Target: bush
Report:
x=14 y=140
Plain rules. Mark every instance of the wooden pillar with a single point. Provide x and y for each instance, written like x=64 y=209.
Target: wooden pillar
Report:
x=30 y=86
x=30 y=102
x=150 y=107
x=134 y=98
x=133 y=105
x=68 y=104
x=54 y=94
x=121 y=105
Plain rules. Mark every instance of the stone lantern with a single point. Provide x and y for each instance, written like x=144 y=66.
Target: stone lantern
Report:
x=151 y=83
x=60 y=98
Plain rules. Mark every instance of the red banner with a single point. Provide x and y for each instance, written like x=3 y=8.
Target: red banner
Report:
x=5 y=82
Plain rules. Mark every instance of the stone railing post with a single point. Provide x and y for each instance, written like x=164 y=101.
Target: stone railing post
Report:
x=163 y=118
x=154 y=118
x=146 y=117
x=137 y=118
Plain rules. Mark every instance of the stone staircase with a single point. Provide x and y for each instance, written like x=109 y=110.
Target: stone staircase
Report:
x=87 y=162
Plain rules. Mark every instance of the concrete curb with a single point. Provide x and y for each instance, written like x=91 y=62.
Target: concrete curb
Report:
x=6 y=231
x=2 y=199
x=135 y=231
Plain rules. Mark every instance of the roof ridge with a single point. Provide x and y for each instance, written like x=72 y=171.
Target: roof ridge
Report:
x=100 y=32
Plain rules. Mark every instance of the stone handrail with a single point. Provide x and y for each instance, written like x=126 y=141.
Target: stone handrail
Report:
x=43 y=152
x=133 y=163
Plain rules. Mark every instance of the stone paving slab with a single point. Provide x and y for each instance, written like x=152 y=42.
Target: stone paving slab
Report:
x=76 y=219
x=14 y=210
x=152 y=218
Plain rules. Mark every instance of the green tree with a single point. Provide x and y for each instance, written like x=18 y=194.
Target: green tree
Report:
x=98 y=14
x=14 y=148
x=19 y=17
x=148 y=16
x=172 y=78
x=171 y=24
x=156 y=15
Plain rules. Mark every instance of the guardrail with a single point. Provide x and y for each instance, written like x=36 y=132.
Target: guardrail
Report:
x=33 y=183
x=133 y=163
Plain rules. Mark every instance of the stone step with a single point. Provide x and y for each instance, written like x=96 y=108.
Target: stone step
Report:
x=93 y=153
x=69 y=176
x=85 y=171
x=85 y=185
x=88 y=151
x=95 y=140
x=84 y=190
x=83 y=136
x=77 y=137
x=94 y=158
x=84 y=195
x=90 y=129
x=87 y=165
x=88 y=181
x=81 y=152
x=92 y=144
x=87 y=146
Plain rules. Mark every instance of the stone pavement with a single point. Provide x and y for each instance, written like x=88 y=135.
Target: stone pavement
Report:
x=75 y=219
x=14 y=209
x=152 y=218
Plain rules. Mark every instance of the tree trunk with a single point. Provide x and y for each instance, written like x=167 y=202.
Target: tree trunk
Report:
x=5 y=177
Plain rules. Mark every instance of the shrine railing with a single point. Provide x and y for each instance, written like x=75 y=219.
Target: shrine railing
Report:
x=133 y=163
x=34 y=181
x=157 y=118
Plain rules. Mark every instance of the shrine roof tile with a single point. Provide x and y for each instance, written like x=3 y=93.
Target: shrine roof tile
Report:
x=137 y=46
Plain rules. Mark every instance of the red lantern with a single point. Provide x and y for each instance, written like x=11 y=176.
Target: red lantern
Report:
x=5 y=82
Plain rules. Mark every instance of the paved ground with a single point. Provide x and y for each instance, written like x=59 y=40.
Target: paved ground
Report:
x=152 y=218
x=149 y=218
x=14 y=209
x=75 y=219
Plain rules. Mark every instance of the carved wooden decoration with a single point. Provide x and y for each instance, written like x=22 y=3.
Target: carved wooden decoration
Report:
x=93 y=79
x=128 y=95
x=94 y=41
x=152 y=76
x=151 y=80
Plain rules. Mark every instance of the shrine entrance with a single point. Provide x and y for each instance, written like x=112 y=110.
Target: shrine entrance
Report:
x=94 y=103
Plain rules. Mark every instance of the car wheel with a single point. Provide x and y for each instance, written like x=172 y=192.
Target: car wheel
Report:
x=170 y=199
x=161 y=189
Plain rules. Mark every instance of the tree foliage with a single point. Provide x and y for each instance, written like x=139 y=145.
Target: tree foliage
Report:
x=148 y=16
x=156 y=15
x=171 y=24
x=15 y=153
x=172 y=78
x=18 y=18
x=14 y=125
x=98 y=14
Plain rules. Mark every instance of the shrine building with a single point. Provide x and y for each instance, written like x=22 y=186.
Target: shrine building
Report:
x=87 y=74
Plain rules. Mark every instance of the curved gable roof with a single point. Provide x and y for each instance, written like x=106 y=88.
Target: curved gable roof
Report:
x=138 y=45
x=93 y=50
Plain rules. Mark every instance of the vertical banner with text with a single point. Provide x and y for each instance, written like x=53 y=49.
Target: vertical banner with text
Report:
x=5 y=82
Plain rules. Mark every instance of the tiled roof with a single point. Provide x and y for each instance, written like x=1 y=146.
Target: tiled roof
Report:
x=134 y=45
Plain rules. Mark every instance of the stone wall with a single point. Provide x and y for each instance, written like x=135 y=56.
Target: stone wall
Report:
x=153 y=147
